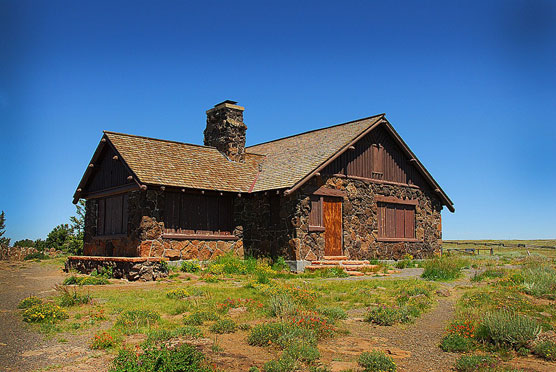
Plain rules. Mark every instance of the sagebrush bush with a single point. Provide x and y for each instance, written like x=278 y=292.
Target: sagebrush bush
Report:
x=281 y=305
x=184 y=358
x=303 y=351
x=224 y=326
x=134 y=319
x=199 y=317
x=28 y=302
x=281 y=334
x=376 y=361
x=489 y=274
x=44 y=313
x=472 y=363
x=388 y=315
x=157 y=335
x=444 y=268
x=540 y=281
x=546 y=350
x=333 y=313
x=455 y=343
x=508 y=329
x=71 y=297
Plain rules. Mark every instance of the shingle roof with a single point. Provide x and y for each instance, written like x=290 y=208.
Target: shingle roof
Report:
x=290 y=159
x=178 y=164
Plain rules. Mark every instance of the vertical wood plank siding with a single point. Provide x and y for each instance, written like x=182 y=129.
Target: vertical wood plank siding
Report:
x=315 y=216
x=107 y=172
x=197 y=214
x=377 y=156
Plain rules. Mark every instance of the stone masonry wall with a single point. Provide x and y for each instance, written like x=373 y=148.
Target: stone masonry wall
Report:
x=360 y=221
x=261 y=238
x=145 y=234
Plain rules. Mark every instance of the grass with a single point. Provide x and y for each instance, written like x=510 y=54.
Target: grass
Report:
x=289 y=315
x=445 y=268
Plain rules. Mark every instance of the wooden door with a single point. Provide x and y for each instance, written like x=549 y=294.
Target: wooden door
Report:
x=332 y=216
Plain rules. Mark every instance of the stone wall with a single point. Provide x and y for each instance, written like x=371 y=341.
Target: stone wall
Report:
x=261 y=238
x=145 y=234
x=226 y=131
x=120 y=267
x=360 y=221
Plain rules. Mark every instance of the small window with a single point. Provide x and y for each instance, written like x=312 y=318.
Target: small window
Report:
x=315 y=216
x=274 y=210
x=112 y=215
x=396 y=221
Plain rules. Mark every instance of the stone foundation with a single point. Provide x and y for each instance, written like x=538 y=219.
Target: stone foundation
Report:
x=122 y=267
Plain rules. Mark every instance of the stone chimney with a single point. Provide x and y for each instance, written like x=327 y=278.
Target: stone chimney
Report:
x=226 y=131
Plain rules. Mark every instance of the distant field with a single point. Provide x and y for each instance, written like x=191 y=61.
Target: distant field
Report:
x=545 y=247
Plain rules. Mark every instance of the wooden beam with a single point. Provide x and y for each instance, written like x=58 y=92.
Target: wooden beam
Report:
x=109 y=192
x=351 y=147
x=394 y=200
x=324 y=191
x=162 y=188
x=143 y=187
x=115 y=157
x=91 y=165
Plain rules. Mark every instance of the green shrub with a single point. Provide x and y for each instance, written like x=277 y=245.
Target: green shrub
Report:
x=333 y=313
x=455 y=343
x=280 y=264
x=284 y=364
x=445 y=268
x=265 y=334
x=190 y=267
x=244 y=327
x=388 y=315
x=471 y=363
x=184 y=358
x=134 y=319
x=546 y=350
x=405 y=263
x=102 y=341
x=224 y=326
x=178 y=293
x=36 y=256
x=44 y=313
x=199 y=317
x=28 y=302
x=305 y=352
x=86 y=280
x=103 y=271
x=157 y=335
x=507 y=329
x=72 y=297
x=540 y=281
x=332 y=272
x=281 y=305
x=376 y=361
x=489 y=274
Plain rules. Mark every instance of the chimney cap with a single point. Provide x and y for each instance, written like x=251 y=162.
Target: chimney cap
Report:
x=226 y=101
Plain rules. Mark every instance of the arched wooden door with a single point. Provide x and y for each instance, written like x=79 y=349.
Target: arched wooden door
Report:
x=332 y=218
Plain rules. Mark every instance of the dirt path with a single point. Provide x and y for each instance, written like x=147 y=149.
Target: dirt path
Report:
x=22 y=348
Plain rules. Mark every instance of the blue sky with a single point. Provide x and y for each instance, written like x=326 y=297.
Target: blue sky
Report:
x=469 y=85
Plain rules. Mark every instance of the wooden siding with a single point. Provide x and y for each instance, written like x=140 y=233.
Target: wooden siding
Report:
x=197 y=214
x=396 y=221
x=107 y=172
x=315 y=216
x=377 y=156
x=332 y=218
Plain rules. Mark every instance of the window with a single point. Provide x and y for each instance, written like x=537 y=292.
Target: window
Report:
x=396 y=221
x=191 y=214
x=315 y=216
x=112 y=215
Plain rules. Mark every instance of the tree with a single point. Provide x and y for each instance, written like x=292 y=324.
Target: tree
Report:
x=24 y=243
x=3 y=240
x=78 y=221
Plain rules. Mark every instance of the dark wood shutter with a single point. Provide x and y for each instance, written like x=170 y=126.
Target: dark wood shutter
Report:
x=396 y=221
x=225 y=214
x=315 y=216
x=212 y=214
x=125 y=208
x=377 y=161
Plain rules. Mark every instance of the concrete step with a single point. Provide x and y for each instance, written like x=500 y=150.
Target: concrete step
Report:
x=340 y=262
x=356 y=273
x=335 y=258
x=355 y=262
x=320 y=267
x=326 y=262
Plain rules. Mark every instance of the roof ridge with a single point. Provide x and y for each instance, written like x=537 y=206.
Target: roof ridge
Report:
x=159 y=139
x=319 y=129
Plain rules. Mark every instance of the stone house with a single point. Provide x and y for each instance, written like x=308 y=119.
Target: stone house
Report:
x=353 y=189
